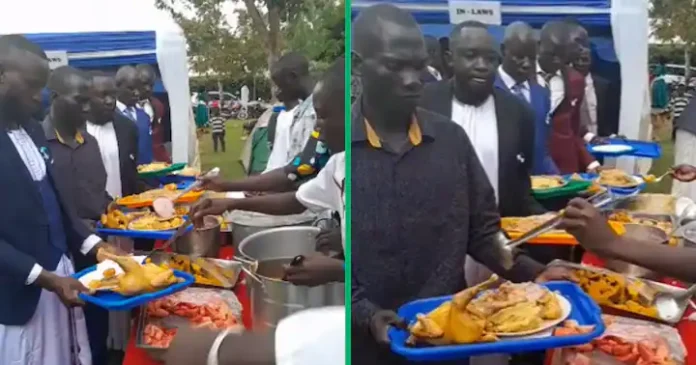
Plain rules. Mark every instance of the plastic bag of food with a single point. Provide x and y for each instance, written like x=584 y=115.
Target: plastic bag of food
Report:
x=627 y=341
x=215 y=309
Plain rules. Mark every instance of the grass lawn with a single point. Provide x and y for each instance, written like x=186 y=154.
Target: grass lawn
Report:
x=227 y=161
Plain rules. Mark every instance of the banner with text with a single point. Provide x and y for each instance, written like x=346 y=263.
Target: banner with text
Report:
x=57 y=59
x=487 y=12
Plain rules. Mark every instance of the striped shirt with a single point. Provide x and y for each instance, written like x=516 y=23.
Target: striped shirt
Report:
x=679 y=103
x=217 y=125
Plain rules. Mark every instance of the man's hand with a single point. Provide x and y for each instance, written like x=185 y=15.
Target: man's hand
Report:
x=67 y=288
x=380 y=324
x=207 y=207
x=597 y=169
x=554 y=273
x=214 y=183
x=316 y=269
x=329 y=240
x=684 y=173
x=597 y=140
x=587 y=225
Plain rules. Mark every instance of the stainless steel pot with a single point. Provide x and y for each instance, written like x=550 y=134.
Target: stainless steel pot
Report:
x=200 y=242
x=645 y=234
x=273 y=299
x=244 y=224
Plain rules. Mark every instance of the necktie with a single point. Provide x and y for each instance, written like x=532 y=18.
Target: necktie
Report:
x=517 y=90
x=132 y=113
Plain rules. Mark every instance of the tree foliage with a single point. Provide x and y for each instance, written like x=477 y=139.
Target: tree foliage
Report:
x=673 y=20
x=264 y=29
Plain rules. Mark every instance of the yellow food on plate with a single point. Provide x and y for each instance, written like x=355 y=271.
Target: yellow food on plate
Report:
x=478 y=315
x=168 y=191
x=136 y=278
x=155 y=223
x=546 y=182
x=617 y=178
x=189 y=171
x=617 y=291
x=151 y=167
x=117 y=219
x=523 y=225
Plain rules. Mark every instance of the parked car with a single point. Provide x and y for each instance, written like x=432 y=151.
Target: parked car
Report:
x=229 y=105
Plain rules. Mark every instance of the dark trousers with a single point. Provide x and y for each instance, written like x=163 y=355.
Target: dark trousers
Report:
x=218 y=137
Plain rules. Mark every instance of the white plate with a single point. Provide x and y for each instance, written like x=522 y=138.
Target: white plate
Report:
x=98 y=274
x=566 y=308
x=612 y=148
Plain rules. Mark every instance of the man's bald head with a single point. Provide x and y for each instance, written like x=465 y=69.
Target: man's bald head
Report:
x=461 y=30
x=378 y=22
x=64 y=79
x=70 y=96
x=24 y=70
x=389 y=54
x=554 y=46
x=519 y=51
x=520 y=32
x=129 y=85
x=555 y=32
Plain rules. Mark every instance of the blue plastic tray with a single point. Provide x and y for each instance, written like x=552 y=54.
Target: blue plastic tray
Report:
x=175 y=179
x=117 y=302
x=617 y=191
x=584 y=310
x=640 y=149
x=149 y=235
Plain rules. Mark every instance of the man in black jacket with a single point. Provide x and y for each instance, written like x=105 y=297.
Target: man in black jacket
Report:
x=500 y=126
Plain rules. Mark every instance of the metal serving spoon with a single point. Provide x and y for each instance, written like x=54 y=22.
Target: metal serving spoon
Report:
x=668 y=303
x=164 y=207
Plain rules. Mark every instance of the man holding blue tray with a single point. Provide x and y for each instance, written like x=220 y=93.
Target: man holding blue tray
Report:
x=38 y=228
x=421 y=199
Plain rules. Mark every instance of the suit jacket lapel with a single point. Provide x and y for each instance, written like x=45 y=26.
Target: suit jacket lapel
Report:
x=16 y=163
x=507 y=132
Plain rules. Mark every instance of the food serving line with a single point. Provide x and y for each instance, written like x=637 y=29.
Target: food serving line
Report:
x=216 y=277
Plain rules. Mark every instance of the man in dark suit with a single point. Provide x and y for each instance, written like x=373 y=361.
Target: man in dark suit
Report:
x=500 y=126
x=40 y=230
x=519 y=56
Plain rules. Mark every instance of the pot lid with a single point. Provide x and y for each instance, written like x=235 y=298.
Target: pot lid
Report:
x=253 y=219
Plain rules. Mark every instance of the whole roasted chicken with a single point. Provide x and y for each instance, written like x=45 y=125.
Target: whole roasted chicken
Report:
x=477 y=314
x=136 y=278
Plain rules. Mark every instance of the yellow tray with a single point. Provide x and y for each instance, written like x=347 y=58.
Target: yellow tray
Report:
x=562 y=238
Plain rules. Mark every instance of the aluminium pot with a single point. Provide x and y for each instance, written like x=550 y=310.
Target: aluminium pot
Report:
x=275 y=299
x=244 y=224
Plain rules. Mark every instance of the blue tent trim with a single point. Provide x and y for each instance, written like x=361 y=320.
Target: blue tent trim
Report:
x=534 y=12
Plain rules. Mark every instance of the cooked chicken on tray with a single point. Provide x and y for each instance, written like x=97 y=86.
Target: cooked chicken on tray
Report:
x=480 y=315
x=136 y=278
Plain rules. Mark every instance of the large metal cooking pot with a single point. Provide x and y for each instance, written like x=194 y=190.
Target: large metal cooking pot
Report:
x=276 y=299
x=200 y=242
x=244 y=224
x=645 y=234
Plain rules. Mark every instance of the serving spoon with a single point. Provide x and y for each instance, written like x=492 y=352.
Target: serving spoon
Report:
x=668 y=303
x=164 y=207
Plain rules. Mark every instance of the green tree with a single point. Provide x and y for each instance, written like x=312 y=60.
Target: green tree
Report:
x=673 y=21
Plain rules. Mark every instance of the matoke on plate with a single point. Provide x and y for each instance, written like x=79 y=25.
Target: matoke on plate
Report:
x=617 y=291
x=477 y=314
x=544 y=182
x=617 y=178
x=205 y=271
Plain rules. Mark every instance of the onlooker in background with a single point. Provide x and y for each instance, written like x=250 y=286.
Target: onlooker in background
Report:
x=679 y=102
x=217 y=128
x=446 y=67
x=567 y=89
x=155 y=109
x=128 y=84
x=433 y=71
x=257 y=149
x=201 y=109
x=519 y=56
x=290 y=74
x=685 y=148
x=660 y=101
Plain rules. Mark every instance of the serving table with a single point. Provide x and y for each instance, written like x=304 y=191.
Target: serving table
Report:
x=136 y=356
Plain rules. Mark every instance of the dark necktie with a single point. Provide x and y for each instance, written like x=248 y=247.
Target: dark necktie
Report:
x=518 y=90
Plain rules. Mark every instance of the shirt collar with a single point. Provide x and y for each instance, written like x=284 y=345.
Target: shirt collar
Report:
x=509 y=81
x=53 y=135
x=588 y=80
x=540 y=71
x=122 y=107
x=362 y=131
